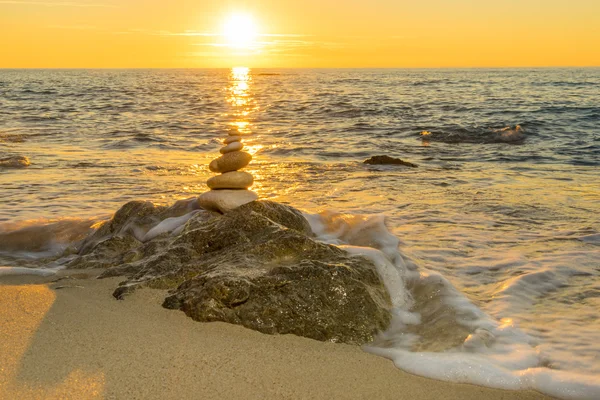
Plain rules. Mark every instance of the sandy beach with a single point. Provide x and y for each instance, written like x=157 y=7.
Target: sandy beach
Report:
x=71 y=339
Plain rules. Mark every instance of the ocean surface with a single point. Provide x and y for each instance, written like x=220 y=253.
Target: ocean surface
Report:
x=498 y=228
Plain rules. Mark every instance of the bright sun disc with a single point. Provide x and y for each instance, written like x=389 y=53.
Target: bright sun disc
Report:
x=240 y=31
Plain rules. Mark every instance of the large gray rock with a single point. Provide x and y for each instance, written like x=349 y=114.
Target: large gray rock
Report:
x=256 y=266
x=284 y=215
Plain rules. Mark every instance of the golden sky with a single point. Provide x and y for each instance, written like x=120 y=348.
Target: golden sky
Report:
x=307 y=33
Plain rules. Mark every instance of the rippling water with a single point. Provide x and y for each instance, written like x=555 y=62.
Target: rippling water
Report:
x=505 y=202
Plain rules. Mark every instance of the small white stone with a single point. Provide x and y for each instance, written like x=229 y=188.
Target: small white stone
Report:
x=225 y=200
x=235 y=146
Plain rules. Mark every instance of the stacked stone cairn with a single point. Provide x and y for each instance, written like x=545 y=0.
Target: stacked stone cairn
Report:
x=229 y=190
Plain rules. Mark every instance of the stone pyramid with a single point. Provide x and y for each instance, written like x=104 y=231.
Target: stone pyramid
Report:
x=229 y=190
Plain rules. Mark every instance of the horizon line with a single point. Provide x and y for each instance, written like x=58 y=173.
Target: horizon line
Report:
x=440 y=67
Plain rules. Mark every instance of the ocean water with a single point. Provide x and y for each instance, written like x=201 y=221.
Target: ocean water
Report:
x=490 y=248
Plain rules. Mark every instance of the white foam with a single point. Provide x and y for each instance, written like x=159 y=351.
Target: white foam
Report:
x=8 y=271
x=42 y=238
x=173 y=225
x=507 y=370
x=389 y=273
x=357 y=230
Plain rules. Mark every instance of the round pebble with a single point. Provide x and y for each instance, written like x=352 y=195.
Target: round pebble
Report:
x=235 y=146
x=231 y=180
x=232 y=139
x=230 y=162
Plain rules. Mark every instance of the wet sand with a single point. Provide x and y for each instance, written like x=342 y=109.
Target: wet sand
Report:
x=71 y=339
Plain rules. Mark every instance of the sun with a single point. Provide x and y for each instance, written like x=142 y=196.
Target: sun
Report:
x=240 y=31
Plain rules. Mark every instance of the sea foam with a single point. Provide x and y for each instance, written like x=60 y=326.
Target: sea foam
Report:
x=7 y=271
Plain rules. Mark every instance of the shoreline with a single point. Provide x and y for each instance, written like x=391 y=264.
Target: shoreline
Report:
x=72 y=339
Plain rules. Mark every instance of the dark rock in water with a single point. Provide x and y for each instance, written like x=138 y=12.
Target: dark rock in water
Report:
x=14 y=162
x=387 y=160
x=256 y=266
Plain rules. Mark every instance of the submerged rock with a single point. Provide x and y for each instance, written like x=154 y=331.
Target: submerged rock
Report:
x=256 y=266
x=14 y=162
x=387 y=160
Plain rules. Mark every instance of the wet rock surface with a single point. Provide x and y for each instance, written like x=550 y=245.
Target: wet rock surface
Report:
x=14 y=162
x=387 y=160
x=257 y=266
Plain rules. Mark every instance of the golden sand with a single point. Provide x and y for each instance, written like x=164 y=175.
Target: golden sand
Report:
x=72 y=340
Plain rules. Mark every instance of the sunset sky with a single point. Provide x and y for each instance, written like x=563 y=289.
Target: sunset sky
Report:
x=307 y=33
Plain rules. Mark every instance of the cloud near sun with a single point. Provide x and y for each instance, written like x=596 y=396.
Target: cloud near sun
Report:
x=241 y=36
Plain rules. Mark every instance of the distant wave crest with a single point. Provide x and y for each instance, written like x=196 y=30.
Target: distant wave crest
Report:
x=510 y=134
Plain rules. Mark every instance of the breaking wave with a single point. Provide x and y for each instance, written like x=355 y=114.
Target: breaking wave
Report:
x=437 y=332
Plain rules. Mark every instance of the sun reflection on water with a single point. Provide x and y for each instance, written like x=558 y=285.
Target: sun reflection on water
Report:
x=243 y=108
x=240 y=97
